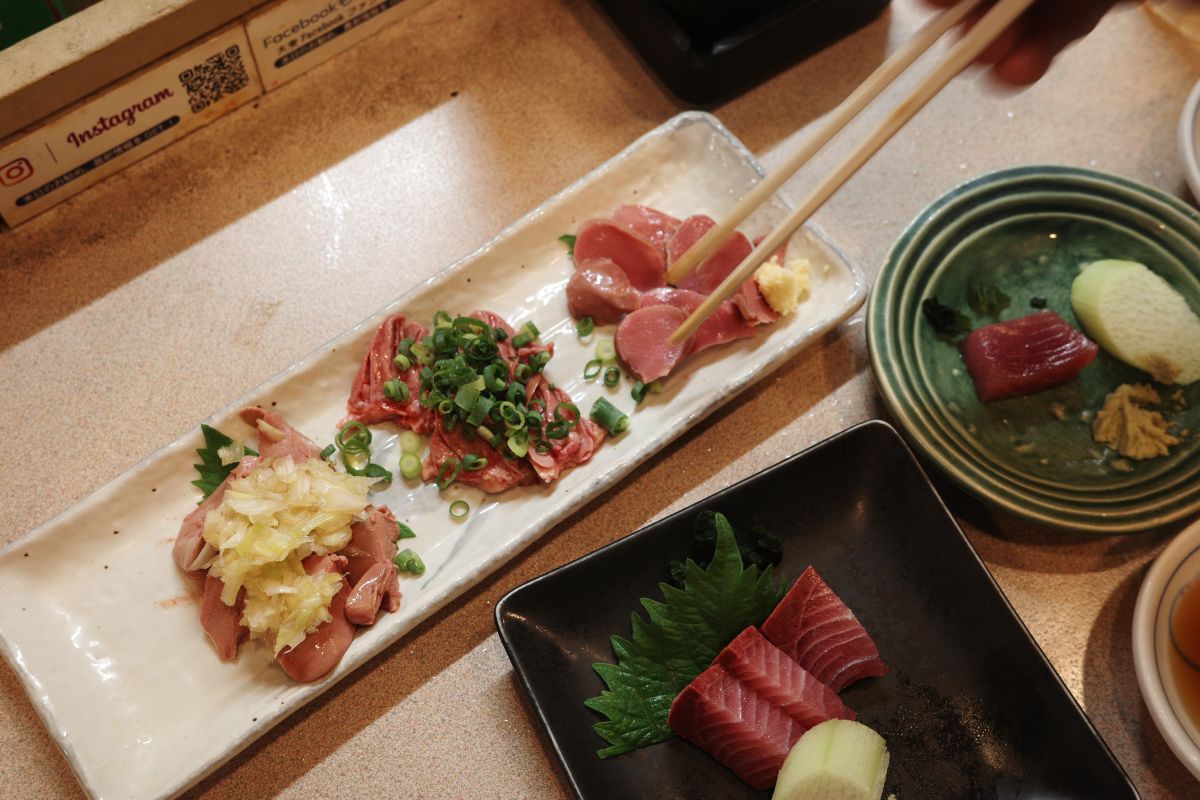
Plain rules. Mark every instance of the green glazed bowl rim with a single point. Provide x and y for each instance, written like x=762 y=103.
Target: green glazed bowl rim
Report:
x=1150 y=507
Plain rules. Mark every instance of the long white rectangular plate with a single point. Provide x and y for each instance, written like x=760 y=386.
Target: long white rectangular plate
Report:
x=93 y=613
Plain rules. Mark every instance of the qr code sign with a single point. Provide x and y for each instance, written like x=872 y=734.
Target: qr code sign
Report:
x=219 y=76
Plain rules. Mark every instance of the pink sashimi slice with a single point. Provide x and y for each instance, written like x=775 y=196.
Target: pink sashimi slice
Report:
x=499 y=475
x=601 y=290
x=739 y=727
x=642 y=341
x=321 y=650
x=571 y=450
x=373 y=542
x=714 y=269
x=773 y=674
x=751 y=304
x=813 y=626
x=657 y=226
x=726 y=324
x=639 y=258
x=367 y=402
x=369 y=593
x=1025 y=356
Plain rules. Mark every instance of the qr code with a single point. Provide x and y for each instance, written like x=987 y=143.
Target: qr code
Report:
x=217 y=77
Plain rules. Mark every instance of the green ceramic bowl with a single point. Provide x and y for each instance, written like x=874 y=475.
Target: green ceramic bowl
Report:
x=1027 y=232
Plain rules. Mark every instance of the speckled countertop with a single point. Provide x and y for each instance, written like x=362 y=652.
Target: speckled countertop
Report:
x=273 y=228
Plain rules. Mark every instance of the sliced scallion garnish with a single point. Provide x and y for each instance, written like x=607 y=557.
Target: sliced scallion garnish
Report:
x=609 y=416
x=459 y=509
x=411 y=442
x=612 y=376
x=448 y=472
x=592 y=369
x=606 y=350
x=405 y=531
x=410 y=466
x=585 y=326
x=408 y=561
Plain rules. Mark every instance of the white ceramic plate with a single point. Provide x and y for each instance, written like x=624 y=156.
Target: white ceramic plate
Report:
x=1177 y=566
x=1189 y=141
x=97 y=623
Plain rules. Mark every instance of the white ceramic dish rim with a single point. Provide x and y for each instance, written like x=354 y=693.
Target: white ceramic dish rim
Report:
x=1189 y=146
x=1152 y=603
x=354 y=659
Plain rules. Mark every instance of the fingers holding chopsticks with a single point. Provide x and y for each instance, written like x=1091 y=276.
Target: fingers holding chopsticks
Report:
x=1022 y=54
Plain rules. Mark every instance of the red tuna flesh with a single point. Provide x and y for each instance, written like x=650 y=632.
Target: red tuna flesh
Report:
x=1024 y=356
x=368 y=403
x=771 y=673
x=723 y=325
x=322 y=649
x=601 y=290
x=638 y=257
x=642 y=341
x=655 y=225
x=739 y=727
x=813 y=626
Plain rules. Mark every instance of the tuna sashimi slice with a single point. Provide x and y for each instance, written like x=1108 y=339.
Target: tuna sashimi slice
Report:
x=813 y=626
x=1024 y=356
x=642 y=341
x=657 y=226
x=640 y=259
x=601 y=290
x=743 y=730
x=773 y=674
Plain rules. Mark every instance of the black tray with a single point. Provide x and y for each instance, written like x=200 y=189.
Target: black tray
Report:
x=705 y=51
x=971 y=708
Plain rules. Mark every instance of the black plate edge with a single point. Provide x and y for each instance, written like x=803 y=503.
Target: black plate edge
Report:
x=869 y=426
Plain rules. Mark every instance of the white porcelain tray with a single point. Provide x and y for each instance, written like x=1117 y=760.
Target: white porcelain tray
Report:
x=94 y=616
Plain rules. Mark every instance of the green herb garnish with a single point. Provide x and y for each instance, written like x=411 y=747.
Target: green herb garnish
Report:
x=408 y=561
x=569 y=240
x=758 y=547
x=680 y=639
x=945 y=320
x=405 y=531
x=212 y=471
x=985 y=298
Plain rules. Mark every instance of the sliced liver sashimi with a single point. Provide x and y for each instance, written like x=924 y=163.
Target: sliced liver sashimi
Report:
x=1024 y=356
x=714 y=269
x=222 y=623
x=372 y=542
x=368 y=594
x=189 y=542
x=735 y=725
x=726 y=324
x=657 y=226
x=293 y=444
x=639 y=258
x=601 y=290
x=642 y=341
x=573 y=449
x=499 y=475
x=813 y=626
x=773 y=674
x=321 y=650
x=368 y=403
x=751 y=304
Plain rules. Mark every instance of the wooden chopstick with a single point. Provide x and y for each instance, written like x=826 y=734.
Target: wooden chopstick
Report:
x=839 y=118
x=958 y=58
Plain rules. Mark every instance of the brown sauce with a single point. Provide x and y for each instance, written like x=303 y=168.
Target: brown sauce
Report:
x=1185 y=655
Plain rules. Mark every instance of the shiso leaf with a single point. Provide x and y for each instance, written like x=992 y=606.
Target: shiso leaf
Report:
x=944 y=319
x=676 y=641
x=569 y=240
x=212 y=471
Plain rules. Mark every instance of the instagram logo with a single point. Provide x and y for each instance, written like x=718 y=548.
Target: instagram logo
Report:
x=16 y=171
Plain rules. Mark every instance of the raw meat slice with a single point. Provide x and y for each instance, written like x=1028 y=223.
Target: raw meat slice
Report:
x=573 y=449
x=293 y=444
x=322 y=649
x=499 y=474
x=639 y=258
x=189 y=542
x=601 y=290
x=655 y=225
x=771 y=673
x=642 y=341
x=368 y=404
x=813 y=626
x=751 y=304
x=362 y=606
x=714 y=269
x=222 y=623
x=1024 y=356
x=735 y=725
x=726 y=324
x=373 y=541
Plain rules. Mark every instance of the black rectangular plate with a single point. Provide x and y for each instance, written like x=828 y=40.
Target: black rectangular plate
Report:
x=719 y=50
x=971 y=708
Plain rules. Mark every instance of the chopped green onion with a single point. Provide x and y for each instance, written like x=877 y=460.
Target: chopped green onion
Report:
x=448 y=472
x=449 y=422
x=327 y=452
x=402 y=362
x=465 y=398
x=639 y=392
x=354 y=436
x=592 y=369
x=395 y=390
x=521 y=339
x=472 y=326
x=445 y=407
x=404 y=347
x=543 y=446
x=515 y=393
x=411 y=442
x=500 y=334
x=518 y=443
x=609 y=416
x=405 y=531
x=495 y=376
x=459 y=509
x=585 y=326
x=473 y=463
x=570 y=408
x=612 y=376
x=422 y=353
x=408 y=561
x=376 y=471
x=557 y=430
x=512 y=417
x=606 y=350
x=538 y=361
x=656 y=387
x=523 y=372
x=410 y=466
x=442 y=320
x=479 y=411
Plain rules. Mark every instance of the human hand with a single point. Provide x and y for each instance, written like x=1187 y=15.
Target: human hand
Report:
x=1024 y=51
